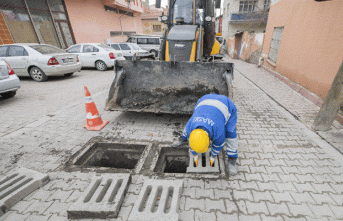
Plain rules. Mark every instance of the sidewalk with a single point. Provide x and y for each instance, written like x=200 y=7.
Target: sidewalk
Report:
x=286 y=171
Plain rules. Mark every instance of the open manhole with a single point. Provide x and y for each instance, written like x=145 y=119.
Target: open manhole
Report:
x=104 y=156
x=120 y=156
x=172 y=160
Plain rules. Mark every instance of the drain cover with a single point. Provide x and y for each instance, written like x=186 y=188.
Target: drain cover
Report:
x=203 y=164
x=158 y=200
x=18 y=184
x=102 y=199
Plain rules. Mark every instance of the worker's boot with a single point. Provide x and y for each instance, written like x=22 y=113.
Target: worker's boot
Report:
x=233 y=169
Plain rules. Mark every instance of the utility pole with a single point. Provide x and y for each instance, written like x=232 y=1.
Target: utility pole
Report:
x=333 y=101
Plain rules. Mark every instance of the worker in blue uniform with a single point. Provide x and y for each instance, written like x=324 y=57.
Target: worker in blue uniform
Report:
x=214 y=118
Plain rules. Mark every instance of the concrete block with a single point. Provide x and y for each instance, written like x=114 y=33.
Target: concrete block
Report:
x=158 y=200
x=102 y=199
x=200 y=168
x=17 y=184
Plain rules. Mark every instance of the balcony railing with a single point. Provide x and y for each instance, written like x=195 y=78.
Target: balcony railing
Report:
x=249 y=17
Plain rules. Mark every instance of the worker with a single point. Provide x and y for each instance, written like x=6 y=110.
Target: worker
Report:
x=214 y=118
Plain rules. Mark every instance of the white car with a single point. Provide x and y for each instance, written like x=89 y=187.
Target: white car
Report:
x=131 y=49
x=9 y=82
x=39 y=60
x=96 y=55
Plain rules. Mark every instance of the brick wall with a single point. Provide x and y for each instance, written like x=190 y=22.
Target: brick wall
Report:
x=5 y=36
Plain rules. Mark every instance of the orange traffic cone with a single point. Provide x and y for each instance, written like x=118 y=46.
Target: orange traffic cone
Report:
x=94 y=121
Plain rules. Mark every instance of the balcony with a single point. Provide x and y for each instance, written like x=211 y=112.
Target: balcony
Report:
x=249 y=17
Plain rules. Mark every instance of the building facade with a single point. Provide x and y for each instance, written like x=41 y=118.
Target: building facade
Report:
x=150 y=23
x=63 y=23
x=244 y=23
x=303 y=42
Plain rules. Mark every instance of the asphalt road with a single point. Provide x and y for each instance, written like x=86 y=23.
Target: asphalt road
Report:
x=35 y=100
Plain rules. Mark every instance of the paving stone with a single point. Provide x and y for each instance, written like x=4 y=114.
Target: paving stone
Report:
x=304 y=187
x=22 y=205
x=323 y=187
x=321 y=210
x=302 y=197
x=271 y=218
x=231 y=206
x=307 y=170
x=257 y=169
x=38 y=207
x=203 y=216
x=40 y=194
x=267 y=186
x=34 y=217
x=300 y=209
x=242 y=195
x=194 y=183
x=74 y=196
x=323 y=198
x=124 y=212
x=253 y=177
x=262 y=196
x=282 y=197
x=337 y=187
x=222 y=216
x=194 y=204
x=13 y=216
x=274 y=169
x=288 y=186
x=249 y=217
x=337 y=210
x=60 y=195
x=337 y=198
x=270 y=177
x=201 y=193
x=189 y=192
x=17 y=184
x=58 y=208
x=102 y=198
x=214 y=184
x=286 y=218
x=187 y=215
x=288 y=178
x=241 y=206
x=264 y=162
x=278 y=209
x=55 y=217
x=214 y=205
x=257 y=208
x=222 y=194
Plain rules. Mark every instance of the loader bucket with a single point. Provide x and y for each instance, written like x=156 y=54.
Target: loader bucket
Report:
x=166 y=86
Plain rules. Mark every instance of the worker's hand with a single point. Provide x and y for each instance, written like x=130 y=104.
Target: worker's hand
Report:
x=178 y=143
x=196 y=160
x=212 y=161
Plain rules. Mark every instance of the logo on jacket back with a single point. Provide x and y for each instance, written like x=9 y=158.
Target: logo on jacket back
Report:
x=205 y=120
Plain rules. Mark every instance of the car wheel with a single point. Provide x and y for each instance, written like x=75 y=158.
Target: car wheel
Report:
x=155 y=53
x=68 y=75
x=8 y=94
x=100 y=65
x=37 y=74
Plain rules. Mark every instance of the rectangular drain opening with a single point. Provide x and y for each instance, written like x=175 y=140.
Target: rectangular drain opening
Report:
x=172 y=160
x=111 y=155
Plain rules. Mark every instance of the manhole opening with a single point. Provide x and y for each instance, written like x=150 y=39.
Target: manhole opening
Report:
x=172 y=160
x=111 y=155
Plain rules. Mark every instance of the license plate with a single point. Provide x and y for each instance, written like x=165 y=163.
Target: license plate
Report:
x=67 y=60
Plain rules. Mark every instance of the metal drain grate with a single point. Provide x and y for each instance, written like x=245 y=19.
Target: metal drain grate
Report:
x=203 y=167
x=18 y=184
x=102 y=199
x=158 y=200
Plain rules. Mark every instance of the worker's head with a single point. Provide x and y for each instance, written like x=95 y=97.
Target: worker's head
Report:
x=199 y=140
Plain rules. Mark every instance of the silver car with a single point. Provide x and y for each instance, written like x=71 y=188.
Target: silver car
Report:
x=39 y=60
x=9 y=82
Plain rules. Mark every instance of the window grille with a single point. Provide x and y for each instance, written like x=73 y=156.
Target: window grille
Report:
x=156 y=28
x=247 y=6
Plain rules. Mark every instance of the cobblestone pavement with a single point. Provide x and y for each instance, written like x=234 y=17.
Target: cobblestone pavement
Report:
x=286 y=171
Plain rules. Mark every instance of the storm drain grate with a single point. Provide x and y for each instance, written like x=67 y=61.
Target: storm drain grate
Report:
x=102 y=199
x=203 y=164
x=18 y=184
x=158 y=200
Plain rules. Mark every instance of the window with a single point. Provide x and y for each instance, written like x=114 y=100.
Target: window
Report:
x=89 y=48
x=46 y=49
x=17 y=51
x=247 y=6
x=266 y=4
x=75 y=49
x=3 y=51
x=125 y=47
x=115 y=46
x=142 y=41
x=275 y=44
x=156 y=28
x=153 y=41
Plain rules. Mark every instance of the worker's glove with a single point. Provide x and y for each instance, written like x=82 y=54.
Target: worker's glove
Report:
x=179 y=142
x=212 y=161
x=196 y=160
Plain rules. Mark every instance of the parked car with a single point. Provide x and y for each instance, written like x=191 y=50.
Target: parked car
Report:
x=39 y=60
x=151 y=43
x=9 y=82
x=96 y=55
x=131 y=49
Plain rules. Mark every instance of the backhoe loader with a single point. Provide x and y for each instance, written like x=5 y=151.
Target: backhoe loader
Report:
x=188 y=65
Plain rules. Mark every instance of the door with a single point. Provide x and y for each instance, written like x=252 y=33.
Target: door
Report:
x=238 y=44
x=89 y=55
x=18 y=59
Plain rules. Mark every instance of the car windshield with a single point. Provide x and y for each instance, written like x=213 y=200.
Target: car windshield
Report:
x=135 y=46
x=125 y=47
x=106 y=47
x=47 y=49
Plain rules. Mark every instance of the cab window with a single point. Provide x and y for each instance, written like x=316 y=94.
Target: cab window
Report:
x=142 y=41
x=153 y=41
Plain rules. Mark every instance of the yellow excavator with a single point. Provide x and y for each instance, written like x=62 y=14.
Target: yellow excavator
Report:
x=188 y=66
